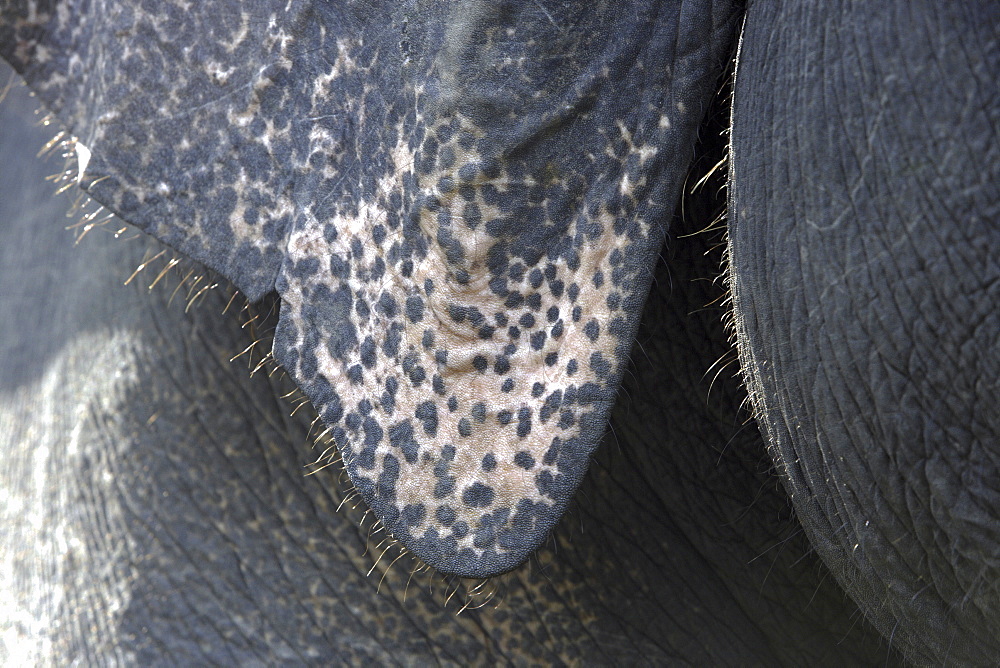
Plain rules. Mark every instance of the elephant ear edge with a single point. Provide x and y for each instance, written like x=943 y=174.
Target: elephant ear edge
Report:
x=461 y=263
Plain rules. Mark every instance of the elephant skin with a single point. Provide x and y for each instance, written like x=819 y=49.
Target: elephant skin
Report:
x=447 y=222
x=872 y=273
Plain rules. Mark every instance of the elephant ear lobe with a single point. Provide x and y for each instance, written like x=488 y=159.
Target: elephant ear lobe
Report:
x=460 y=205
x=189 y=139
x=461 y=297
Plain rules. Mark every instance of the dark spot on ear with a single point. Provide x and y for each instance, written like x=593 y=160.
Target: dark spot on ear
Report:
x=401 y=436
x=489 y=462
x=355 y=374
x=417 y=375
x=478 y=495
x=368 y=352
x=413 y=514
x=361 y=308
x=545 y=482
x=387 y=305
x=476 y=316
x=331 y=313
x=391 y=344
x=523 y=422
x=485 y=537
x=446 y=515
x=353 y=421
x=468 y=171
x=445 y=487
x=524 y=460
x=601 y=367
x=501 y=366
x=591 y=392
x=378 y=269
x=514 y=299
x=387 y=479
x=415 y=310
x=427 y=414
x=446 y=184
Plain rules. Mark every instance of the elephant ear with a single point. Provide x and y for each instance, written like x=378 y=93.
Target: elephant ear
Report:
x=459 y=205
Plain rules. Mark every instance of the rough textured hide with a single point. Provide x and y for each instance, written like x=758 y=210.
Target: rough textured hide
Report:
x=865 y=229
x=154 y=508
x=460 y=212
x=459 y=206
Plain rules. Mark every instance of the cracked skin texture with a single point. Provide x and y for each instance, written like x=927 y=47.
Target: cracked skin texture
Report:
x=219 y=147
x=157 y=511
x=459 y=209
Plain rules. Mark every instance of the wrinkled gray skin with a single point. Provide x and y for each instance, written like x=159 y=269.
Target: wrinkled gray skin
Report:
x=864 y=245
x=156 y=508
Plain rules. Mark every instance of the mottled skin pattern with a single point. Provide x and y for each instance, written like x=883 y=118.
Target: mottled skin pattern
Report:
x=157 y=512
x=458 y=205
x=457 y=213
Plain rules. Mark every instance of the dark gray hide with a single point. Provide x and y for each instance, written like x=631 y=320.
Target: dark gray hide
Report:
x=865 y=248
x=459 y=205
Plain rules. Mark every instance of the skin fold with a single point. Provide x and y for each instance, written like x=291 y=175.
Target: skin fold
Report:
x=871 y=272
x=159 y=503
x=174 y=521
x=459 y=208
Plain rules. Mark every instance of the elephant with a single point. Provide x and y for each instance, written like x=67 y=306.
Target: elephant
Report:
x=564 y=390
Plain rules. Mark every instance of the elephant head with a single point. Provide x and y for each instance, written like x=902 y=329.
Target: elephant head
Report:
x=461 y=208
